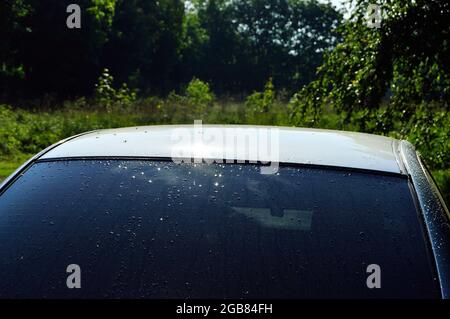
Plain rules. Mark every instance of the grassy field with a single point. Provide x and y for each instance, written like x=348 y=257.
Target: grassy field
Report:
x=9 y=164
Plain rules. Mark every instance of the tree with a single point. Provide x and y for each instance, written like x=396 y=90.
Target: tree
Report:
x=194 y=41
x=12 y=31
x=144 y=43
x=391 y=80
x=250 y=41
x=404 y=63
x=62 y=60
x=157 y=45
x=224 y=48
x=286 y=37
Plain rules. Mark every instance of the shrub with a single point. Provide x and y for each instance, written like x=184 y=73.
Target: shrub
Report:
x=199 y=96
x=429 y=131
x=261 y=102
x=13 y=129
x=107 y=96
x=196 y=99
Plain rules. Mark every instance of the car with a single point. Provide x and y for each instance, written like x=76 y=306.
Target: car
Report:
x=224 y=211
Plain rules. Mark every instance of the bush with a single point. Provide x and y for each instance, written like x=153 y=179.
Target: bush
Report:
x=107 y=96
x=199 y=94
x=261 y=102
x=193 y=104
x=266 y=108
x=14 y=129
x=429 y=131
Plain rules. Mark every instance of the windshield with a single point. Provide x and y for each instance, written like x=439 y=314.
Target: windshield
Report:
x=149 y=229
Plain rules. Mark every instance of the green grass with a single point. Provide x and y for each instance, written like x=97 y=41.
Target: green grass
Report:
x=9 y=164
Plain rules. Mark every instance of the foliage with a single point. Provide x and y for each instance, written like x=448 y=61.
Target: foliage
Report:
x=261 y=102
x=199 y=94
x=404 y=62
x=9 y=164
x=284 y=39
x=193 y=104
x=252 y=40
x=144 y=43
x=429 y=131
x=53 y=58
x=12 y=14
x=10 y=131
x=109 y=97
x=157 y=46
x=394 y=80
x=442 y=178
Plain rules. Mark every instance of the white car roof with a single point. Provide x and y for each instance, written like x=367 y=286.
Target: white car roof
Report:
x=289 y=145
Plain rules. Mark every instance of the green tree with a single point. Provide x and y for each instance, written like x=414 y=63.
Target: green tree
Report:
x=286 y=37
x=12 y=31
x=62 y=60
x=405 y=62
x=144 y=43
x=394 y=79
x=224 y=47
x=193 y=46
x=252 y=40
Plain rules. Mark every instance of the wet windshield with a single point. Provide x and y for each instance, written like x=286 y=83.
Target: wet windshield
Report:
x=164 y=230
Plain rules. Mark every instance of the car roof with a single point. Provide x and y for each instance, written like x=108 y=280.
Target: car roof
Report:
x=278 y=144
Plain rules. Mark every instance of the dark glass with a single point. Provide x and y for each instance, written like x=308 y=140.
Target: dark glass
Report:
x=148 y=229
